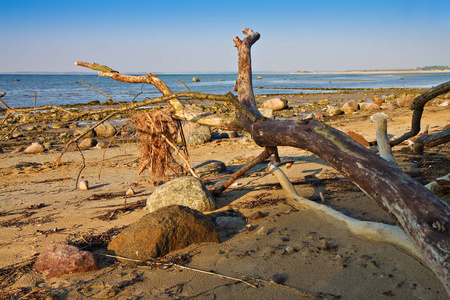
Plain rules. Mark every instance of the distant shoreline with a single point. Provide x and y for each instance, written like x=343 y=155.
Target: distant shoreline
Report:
x=374 y=72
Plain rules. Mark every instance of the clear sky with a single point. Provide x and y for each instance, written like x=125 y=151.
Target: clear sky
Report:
x=196 y=36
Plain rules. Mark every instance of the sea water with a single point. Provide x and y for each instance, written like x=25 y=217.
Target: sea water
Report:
x=69 y=89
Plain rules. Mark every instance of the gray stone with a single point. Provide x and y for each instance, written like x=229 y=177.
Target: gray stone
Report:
x=275 y=104
x=105 y=130
x=35 y=148
x=333 y=111
x=186 y=191
x=210 y=167
x=167 y=229
x=266 y=112
x=87 y=143
x=89 y=134
x=227 y=222
x=199 y=136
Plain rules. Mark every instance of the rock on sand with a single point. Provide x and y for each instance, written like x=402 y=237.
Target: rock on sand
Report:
x=187 y=191
x=167 y=229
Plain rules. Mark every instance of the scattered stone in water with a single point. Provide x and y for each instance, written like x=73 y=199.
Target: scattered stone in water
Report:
x=195 y=79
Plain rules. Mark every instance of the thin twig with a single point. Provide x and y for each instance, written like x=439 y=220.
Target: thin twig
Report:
x=215 y=274
x=82 y=167
x=181 y=155
x=184 y=85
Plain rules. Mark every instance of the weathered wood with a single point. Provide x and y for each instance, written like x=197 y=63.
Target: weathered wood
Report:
x=417 y=106
x=428 y=141
x=422 y=215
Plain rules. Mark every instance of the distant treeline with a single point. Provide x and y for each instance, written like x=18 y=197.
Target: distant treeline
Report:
x=430 y=68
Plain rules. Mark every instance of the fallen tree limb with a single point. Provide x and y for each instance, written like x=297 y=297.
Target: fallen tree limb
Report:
x=428 y=141
x=417 y=106
x=372 y=231
x=414 y=208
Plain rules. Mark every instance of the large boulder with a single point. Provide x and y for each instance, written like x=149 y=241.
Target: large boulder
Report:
x=187 y=191
x=59 y=259
x=275 y=104
x=199 y=136
x=105 y=130
x=167 y=229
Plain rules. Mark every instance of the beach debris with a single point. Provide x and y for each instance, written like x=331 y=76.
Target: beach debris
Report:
x=382 y=139
x=275 y=104
x=57 y=259
x=83 y=185
x=210 y=167
x=34 y=148
x=199 y=136
x=357 y=137
x=105 y=130
x=162 y=231
x=195 y=79
x=187 y=191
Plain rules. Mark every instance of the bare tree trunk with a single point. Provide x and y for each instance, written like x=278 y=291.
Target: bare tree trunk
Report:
x=422 y=215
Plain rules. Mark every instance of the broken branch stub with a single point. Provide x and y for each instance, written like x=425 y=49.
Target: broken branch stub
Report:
x=382 y=139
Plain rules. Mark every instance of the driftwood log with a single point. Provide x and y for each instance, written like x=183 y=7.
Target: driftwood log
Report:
x=428 y=141
x=423 y=216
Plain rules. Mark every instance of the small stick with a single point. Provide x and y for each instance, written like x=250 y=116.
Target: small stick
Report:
x=181 y=155
x=215 y=274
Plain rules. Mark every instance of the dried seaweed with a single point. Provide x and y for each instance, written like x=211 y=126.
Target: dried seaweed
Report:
x=112 y=214
x=157 y=131
x=91 y=241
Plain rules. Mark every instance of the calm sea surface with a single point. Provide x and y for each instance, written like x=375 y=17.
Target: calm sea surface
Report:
x=67 y=89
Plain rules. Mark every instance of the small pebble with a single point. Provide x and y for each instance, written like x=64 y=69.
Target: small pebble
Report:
x=83 y=185
x=130 y=192
x=262 y=231
x=278 y=279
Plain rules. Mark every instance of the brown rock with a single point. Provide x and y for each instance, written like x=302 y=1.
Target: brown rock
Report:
x=357 y=137
x=403 y=101
x=257 y=215
x=370 y=106
x=64 y=259
x=318 y=116
x=165 y=230
x=350 y=107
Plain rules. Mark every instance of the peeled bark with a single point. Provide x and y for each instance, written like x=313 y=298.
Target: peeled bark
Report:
x=422 y=215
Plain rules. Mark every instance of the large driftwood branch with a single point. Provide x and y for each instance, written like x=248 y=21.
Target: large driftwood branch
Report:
x=372 y=231
x=410 y=204
x=417 y=107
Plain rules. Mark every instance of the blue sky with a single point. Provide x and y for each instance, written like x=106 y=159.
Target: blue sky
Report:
x=196 y=36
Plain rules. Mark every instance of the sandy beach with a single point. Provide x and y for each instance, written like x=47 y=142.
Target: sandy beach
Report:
x=41 y=205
